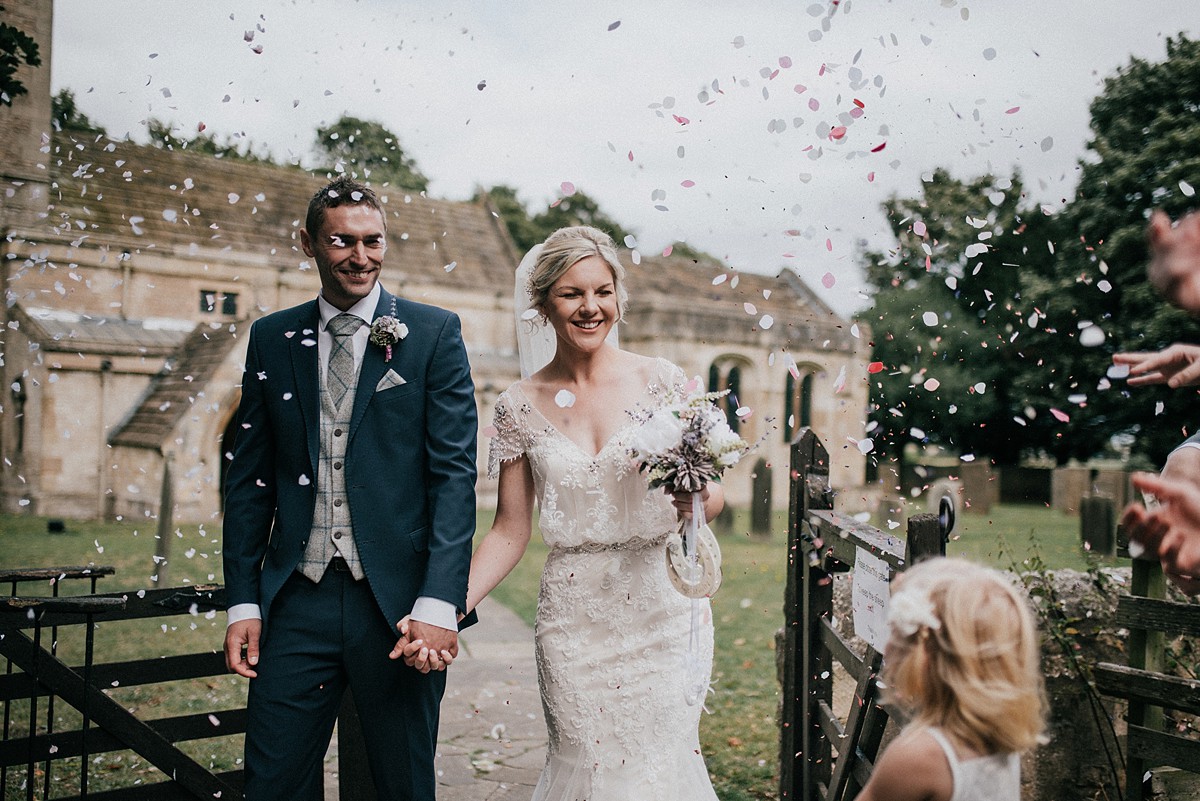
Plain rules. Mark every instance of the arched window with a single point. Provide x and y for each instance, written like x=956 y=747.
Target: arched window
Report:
x=720 y=378
x=797 y=405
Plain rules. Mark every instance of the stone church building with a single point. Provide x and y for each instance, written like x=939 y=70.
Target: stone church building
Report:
x=131 y=275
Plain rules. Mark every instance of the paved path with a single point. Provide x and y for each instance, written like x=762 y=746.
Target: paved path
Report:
x=492 y=739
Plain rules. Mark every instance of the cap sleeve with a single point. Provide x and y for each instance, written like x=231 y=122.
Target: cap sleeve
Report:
x=510 y=440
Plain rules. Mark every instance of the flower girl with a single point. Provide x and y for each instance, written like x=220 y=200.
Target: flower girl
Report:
x=963 y=661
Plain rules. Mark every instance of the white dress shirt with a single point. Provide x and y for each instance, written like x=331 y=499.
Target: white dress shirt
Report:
x=433 y=611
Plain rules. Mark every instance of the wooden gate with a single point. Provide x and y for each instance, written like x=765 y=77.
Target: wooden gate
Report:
x=1144 y=683
x=821 y=758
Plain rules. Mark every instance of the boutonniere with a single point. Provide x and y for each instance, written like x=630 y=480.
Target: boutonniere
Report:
x=387 y=331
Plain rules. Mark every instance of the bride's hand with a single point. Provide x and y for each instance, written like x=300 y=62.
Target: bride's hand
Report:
x=683 y=500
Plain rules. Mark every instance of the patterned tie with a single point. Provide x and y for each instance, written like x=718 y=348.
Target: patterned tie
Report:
x=341 y=358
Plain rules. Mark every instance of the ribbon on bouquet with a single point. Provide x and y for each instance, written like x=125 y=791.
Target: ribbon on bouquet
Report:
x=696 y=686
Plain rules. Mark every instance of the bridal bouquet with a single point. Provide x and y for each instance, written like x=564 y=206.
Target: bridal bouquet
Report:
x=681 y=447
x=686 y=444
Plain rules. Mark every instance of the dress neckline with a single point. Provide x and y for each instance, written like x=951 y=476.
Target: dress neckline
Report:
x=582 y=450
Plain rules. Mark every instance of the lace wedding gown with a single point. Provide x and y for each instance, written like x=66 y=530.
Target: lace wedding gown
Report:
x=611 y=633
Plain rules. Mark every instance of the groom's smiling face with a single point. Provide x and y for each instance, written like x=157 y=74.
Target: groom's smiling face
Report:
x=349 y=252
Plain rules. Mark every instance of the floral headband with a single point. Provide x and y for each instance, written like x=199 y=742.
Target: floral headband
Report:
x=910 y=610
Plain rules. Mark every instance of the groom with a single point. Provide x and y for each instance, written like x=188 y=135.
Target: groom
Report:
x=349 y=504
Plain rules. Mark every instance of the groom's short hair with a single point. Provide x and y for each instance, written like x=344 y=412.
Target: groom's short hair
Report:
x=341 y=191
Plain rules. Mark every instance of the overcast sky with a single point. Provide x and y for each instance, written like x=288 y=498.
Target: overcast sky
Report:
x=711 y=122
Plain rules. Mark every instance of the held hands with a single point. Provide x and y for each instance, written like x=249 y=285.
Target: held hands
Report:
x=1176 y=366
x=243 y=636
x=424 y=646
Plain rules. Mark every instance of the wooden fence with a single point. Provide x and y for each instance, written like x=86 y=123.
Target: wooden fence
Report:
x=1144 y=683
x=821 y=543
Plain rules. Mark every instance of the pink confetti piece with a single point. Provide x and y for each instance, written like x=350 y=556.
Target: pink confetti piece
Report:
x=1061 y=417
x=631 y=155
x=871 y=177
x=813 y=103
x=931 y=384
x=855 y=113
x=667 y=250
x=1013 y=110
x=829 y=245
x=879 y=147
x=828 y=280
x=785 y=62
x=681 y=120
x=837 y=132
x=919 y=228
x=821 y=71
x=793 y=369
x=688 y=184
x=874 y=367
x=859 y=103
x=800 y=88
x=693 y=385
x=567 y=187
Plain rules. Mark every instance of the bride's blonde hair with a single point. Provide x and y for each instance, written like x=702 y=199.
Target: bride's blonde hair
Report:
x=562 y=250
x=964 y=656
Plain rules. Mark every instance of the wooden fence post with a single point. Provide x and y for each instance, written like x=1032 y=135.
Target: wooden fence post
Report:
x=805 y=754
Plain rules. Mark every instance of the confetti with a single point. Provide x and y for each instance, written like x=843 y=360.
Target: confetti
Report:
x=1091 y=336
x=931 y=384
x=1013 y=110
x=1186 y=188
x=687 y=184
x=667 y=250
x=750 y=308
x=565 y=399
x=1061 y=417
x=919 y=228
x=875 y=367
x=828 y=280
x=567 y=188
x=614 y=25
x=929 y=318
x=766 y=322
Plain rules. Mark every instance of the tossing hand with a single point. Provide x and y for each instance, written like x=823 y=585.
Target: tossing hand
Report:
x=1174 y=267
x=1176 y=366
x=1170 y=531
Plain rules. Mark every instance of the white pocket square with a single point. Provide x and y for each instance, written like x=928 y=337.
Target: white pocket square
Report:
x=389 y=380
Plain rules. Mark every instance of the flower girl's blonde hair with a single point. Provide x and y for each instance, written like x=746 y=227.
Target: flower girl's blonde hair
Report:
x=964 y=656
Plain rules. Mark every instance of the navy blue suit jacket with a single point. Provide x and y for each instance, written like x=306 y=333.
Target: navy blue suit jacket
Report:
x=410 y=461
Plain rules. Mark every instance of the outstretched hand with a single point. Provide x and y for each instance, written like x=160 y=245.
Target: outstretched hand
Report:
x=424 y=646
x=1170 y=530
x=1176 y=366
x=1174 y=268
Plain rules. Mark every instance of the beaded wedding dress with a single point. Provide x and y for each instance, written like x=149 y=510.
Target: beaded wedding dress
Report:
x=611 y=634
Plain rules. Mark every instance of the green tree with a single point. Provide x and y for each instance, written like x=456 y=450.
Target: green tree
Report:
x=368 y=150
x=16 y=48
x=947 y=321
x=1144 y=149
x=527 y=231
x=166 y=135
x=67 y=117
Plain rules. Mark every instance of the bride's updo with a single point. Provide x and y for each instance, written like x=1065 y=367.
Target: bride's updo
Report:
x=562 y=250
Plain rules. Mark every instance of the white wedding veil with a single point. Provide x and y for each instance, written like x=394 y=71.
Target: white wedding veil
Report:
x=536 y=340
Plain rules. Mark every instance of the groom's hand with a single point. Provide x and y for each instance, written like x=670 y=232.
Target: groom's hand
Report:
x=243 y=635
x=430 y=647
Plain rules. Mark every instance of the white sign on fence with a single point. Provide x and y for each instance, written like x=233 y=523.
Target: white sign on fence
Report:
x=869 y=590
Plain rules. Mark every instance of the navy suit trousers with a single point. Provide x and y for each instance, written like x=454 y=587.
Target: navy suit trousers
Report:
x=321 y=638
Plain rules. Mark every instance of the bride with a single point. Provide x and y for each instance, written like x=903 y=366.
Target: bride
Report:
x=612 y=634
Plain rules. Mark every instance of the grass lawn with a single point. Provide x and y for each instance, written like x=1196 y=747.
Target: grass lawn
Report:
x=739 y=737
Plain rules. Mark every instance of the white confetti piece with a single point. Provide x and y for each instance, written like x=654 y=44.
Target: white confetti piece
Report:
x=980 y=387
x=565 y=399
x=450 y=267
x=866 y=445
x=1186 y=188
x=304 y=481
x=750 y=308
x=968 y=457
x=929 y=318
x=766 y=322
x=931 y=384
x=529 y=314
x=1092 y=336
x=1118 y=371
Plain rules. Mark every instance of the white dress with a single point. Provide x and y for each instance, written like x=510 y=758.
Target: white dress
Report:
x=996 y=777
x=611 y=633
